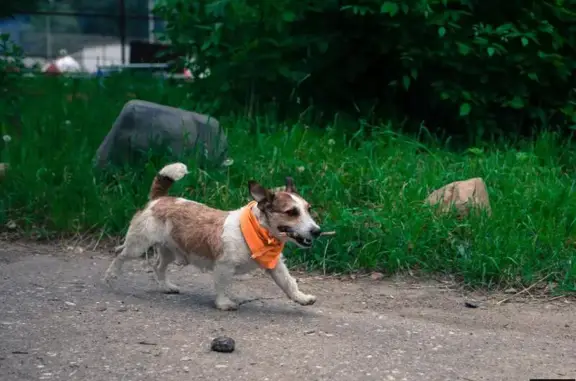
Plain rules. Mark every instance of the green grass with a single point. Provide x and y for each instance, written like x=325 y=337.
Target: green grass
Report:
x=371 y=192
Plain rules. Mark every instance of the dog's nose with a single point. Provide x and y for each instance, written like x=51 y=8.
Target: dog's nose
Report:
x=315 y=232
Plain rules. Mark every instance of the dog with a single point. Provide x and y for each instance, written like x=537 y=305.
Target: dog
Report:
x=227 y=243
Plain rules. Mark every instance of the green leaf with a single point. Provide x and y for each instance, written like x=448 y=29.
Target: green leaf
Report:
x=406 y=82
x=405 y=8
x=390 y=8
x=476 y=151
x=288 y=16
x=524 y=41
x=533 y=76
x=441 y=31
x=463 y=49
x=414 y=73
x=465 y=109
x=491 y=51
x=322 y=46
x=516 y=103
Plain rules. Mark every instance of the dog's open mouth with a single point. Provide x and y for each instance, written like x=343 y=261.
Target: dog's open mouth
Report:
x=301 y=241
x=304 y=242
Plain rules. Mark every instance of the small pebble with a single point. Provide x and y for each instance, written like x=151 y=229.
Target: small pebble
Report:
x=376 y=276
x=223 y=344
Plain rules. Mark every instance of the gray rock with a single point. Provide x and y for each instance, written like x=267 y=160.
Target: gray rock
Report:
x=170 y=132
x=223 y=344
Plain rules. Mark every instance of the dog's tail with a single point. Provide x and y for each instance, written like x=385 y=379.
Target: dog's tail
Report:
x=165 y=178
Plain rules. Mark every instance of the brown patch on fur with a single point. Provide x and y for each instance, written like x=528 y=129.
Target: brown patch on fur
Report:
x=160 y=187
x=281 y=203
x=196 y=228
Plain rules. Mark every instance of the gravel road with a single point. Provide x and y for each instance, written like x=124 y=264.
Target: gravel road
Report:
x=59 y=322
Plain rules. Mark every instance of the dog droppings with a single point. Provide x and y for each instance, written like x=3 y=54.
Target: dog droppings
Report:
x=223 y=344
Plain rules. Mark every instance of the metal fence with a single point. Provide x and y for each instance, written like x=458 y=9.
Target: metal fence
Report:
x=92 y=38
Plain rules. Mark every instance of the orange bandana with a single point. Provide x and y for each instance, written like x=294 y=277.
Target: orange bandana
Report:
x=265 y=248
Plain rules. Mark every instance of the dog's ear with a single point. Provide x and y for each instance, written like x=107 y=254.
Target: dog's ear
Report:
x=259 y=193
x=290 y=187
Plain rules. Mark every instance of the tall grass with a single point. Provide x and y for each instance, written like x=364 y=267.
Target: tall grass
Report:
x=370 y=191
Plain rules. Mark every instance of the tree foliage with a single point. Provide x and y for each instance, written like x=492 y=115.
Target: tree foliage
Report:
x=487 y=65
x=9 y=7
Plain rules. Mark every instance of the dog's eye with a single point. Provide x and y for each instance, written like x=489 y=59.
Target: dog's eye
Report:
x=293 y=212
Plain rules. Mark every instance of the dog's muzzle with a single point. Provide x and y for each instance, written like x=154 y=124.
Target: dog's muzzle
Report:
x=302 y=241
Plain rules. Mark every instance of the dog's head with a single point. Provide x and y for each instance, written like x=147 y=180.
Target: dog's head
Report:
x=286 y=213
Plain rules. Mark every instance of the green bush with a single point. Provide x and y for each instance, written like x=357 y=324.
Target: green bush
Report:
x=11 y=66
x=464 y=65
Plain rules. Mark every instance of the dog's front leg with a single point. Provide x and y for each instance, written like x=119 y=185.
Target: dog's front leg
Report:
x=223 y=273
x=288 y=284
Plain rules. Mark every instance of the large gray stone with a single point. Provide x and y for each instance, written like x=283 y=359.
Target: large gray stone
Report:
x=142 y=126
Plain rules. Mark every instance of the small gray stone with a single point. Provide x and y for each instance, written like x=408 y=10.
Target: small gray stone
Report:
x=223 y=344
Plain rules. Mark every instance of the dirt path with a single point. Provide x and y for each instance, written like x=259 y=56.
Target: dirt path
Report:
x=58 y=322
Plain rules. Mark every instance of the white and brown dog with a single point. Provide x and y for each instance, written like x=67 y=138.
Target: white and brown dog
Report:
x=226 y=242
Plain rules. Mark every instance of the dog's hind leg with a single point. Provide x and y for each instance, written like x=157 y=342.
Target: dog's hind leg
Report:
x=133 y=247
x=165 y=257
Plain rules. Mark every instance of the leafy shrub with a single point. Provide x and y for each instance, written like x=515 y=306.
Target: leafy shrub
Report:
x=11 y=65
x=486 y=65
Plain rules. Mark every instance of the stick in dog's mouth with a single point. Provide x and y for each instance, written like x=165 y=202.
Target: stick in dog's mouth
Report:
x=288 y=234
x=323 y=233
x=305 y=242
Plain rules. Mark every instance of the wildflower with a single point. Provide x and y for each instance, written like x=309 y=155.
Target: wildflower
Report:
x=228 y=162
x=7 y=139
x=331 y=142
x=300 y=169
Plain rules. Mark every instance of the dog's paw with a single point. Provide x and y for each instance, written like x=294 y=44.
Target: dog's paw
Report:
x=306 y=300
x=109 y=278
x=169 y=288
x=226 y=305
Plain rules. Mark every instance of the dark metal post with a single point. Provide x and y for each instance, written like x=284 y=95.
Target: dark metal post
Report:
x=122 y=26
